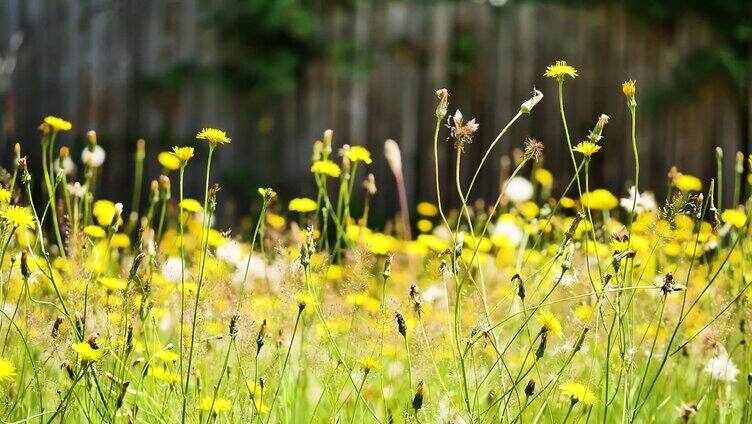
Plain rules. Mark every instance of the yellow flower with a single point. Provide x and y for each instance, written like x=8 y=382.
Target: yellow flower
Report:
x=587 y=148
x=578 y=392
x=105 y=211
x=94 y=231
x=359 y=154
x=18 y=216
x=164 y=375
x=5 y=196
x=544 y=177
x=7 y=371
x=168 y=161
x=567 y=202
x=254 y=388
x=213 y=136
x=167 y=355
x=424 y=225
x=302 y=205
x=112 y=283
x=735 y=217
x=120 y=240
x=275 y=221
x=190 y=205
x=368 y=363
x=217 y=405
x=304 y=298
x=559 y=70
x=427 y=209
x=529 y=209
x=183 y=154
x=86 y=353
x=58 y=124
x=326 y=167
x=686 y=182
x=550 y=323
x=629 y=88
x=599 y=199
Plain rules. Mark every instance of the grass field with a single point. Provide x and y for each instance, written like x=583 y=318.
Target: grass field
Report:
x=557 y=301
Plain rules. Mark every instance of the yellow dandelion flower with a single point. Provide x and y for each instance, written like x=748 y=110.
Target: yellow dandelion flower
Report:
x=567 y=202
x=214 y=136
x=302 y=205
x=275 y=221
x=261 y=407
x=599 y=199
x=164 y=375
x=424 y=225
x=18 y=216
x=427 y=209
x=550 y=323
x=167 y=355
x=182 y=154
x=587 y=148
x=578 y=392
x=86 y=353
x=559 y=70
x=618 y=246
x=629 y=88
x=326 y=167
x=5 y=195
x=94 y=231
x=191 y=205
x=58 y=124
x=544 y=177
x=168 y=161
x=734 y=217
x=105 y=211
x=120 y=240
x=112 y=283
x=685 y=182
x=368 y=363
x=217 y=405
x=359 y=154
x=255 y=388
x=7 y=371
x=304 y=298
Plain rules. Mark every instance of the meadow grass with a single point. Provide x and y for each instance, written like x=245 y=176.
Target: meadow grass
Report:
x=529 y=307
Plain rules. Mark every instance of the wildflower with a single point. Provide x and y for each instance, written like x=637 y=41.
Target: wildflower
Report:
x=5 y=195
x=164 y=375
x=302 y=205
x=629 y=88
x=530 y=388
x=369 y=184
x=168 y=161
x=550 y=324
x=58 y=124
x=442 y=96
x=595 y=134
x=303 y=299
x=94 y=231
x=216 y=405
x=544 y=177
x=267 y=193
x=599 y=199
x=734 y=217
x=578 y=392
x=93 y=156
x=359 y=154
x=530 y=103
x=112 y=283
x=18 y=216
x=722 y=368
x=587 y=148
x=427 y=209
x=326 y=167
x=86 y=353
x=461 y=132
x=519 y=190
x=559 y=70
x=104 y=211
x=368 y=363
x=687 y=183
x=645 y=201
x=254 y=388
x=7 y=371
x=190 y=205
x=424 y=225
x=182 y=154
x=533 y=149
x=214 y=136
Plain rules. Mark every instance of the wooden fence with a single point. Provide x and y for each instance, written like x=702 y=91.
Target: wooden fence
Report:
x=87 y=61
